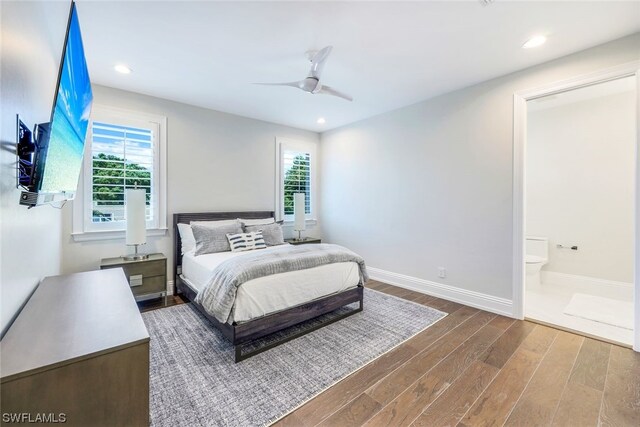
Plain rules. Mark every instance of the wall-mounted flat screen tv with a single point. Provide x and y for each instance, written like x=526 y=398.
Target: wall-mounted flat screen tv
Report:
x=60 y=143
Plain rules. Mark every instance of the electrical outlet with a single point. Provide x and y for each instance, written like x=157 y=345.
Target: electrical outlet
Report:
x=442 y=272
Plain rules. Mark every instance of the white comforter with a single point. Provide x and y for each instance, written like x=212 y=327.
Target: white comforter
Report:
x=270 y=294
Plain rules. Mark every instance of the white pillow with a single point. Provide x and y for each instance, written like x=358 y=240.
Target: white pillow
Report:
x=187 y=239
x=262 y=221
x=241 y=242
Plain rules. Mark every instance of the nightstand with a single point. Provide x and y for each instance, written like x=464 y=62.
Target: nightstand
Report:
x=303 y=241
x=147 y=277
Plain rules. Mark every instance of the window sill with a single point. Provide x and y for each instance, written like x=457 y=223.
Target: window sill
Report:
x=289 y=223
x=90 y=236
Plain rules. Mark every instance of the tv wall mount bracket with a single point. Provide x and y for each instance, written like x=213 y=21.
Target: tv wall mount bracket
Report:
x=29 y=147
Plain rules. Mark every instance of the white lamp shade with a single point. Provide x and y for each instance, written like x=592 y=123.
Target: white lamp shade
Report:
x=136 y=216
x=298 y=212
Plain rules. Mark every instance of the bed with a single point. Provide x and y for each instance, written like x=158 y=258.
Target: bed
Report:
x=268 y=304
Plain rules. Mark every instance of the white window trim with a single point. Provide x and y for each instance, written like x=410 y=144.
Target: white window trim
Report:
x=311 y=148
x=81 y=231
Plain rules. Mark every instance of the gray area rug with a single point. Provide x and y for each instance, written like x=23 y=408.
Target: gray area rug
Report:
x=194 y=380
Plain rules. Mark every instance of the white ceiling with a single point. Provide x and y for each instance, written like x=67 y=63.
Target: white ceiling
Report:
x=386 y=54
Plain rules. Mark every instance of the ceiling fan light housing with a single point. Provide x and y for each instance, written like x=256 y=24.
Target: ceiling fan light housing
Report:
x=310 y=84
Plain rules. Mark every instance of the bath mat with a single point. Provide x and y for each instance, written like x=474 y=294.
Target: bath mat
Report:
x=600 y=309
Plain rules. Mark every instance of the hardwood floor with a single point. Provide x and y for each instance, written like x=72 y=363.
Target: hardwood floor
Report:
x=475 y=368
x=161 y=302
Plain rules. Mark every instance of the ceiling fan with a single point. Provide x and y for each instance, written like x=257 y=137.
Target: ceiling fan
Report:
x=312 y=83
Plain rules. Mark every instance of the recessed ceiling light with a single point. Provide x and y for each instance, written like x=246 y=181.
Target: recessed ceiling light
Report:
x=534 y=41
x=321 y=121
x=122 y=69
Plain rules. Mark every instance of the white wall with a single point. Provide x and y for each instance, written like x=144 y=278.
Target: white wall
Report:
x=32 y=40
x=216 y=162
x=580 y=184
x=430 y=185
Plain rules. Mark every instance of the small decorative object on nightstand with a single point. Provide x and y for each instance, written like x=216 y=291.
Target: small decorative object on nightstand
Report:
x=147 y=277
x=303 y=241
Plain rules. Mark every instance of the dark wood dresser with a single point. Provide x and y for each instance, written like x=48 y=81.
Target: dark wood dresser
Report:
x=79 y=350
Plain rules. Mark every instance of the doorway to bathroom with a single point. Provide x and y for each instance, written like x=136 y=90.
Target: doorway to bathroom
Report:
x=576 y=250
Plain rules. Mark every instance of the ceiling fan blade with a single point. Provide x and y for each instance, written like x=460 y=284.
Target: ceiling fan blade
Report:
x=318 y=61
x=331 y=91
x=292 y=84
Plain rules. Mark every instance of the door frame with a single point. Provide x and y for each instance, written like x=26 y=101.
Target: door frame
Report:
x=520 y=99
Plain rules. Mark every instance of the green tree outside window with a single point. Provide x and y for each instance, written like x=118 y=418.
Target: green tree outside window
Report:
x=297 y=180
x=111 y=176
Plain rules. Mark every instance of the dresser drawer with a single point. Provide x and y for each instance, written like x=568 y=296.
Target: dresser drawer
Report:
x=146 y=277
x=146 y=269
x=150 y=285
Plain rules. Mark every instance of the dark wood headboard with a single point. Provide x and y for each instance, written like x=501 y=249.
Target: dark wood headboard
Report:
x=186 y=218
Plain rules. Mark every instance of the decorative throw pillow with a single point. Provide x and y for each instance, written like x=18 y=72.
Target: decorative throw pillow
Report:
x=272 y=233
x=213 y=239
x=246 y=241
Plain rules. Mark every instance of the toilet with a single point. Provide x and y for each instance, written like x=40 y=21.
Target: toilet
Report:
x=536 y=255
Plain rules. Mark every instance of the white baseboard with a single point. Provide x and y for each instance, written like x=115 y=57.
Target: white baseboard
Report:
x=170 y=287
x=573 y=279
x=479 y=300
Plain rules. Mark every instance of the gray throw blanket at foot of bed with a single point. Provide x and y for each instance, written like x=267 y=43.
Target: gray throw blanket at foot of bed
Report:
x=219 y=295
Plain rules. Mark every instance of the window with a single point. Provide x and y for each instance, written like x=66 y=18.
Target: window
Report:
x=123 y=150
x=295 y=174
x=122 y=157
x=297 y=179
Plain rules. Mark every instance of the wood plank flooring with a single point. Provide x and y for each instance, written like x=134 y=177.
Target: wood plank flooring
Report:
x=162 y=302
x=475 y=368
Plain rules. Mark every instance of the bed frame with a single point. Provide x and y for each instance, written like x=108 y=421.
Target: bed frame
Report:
x=245 y=332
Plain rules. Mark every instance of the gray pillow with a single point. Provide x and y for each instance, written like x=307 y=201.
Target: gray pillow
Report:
x=210 y=240
x=272 y=233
